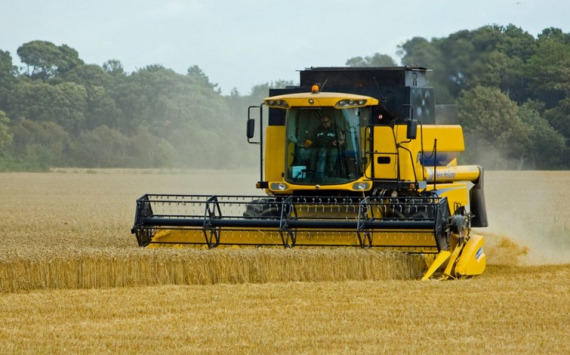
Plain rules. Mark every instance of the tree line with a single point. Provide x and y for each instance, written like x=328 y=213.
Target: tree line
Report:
x=511 y=90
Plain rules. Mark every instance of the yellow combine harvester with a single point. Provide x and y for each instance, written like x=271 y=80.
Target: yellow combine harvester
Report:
x=361 y=161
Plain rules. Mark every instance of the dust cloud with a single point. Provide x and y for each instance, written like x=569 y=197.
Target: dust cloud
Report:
x=529 y=219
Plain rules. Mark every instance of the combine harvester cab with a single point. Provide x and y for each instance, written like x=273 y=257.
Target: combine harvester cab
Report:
x=359 y=161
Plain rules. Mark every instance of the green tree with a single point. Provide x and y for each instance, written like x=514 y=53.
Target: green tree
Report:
x=38 y=145
x=376 y=60
x=187 y=111
x=420 y=52
x=548 y=71
x=7 y=78
x=114 y=67
x=89 y=75
x=488 y=56
x=68 y=59
x=41 y=57
x=238 y=152
x=164 y=101
x=493 y=127
x=261 y=91
x=146 y=150
x=555 y=34
x=201 y=79
x=101 y=108
x=545 y=143
x=559 y=117
x=64 y=104
x=44 y=59
x=498 y=59
x=101 y=148
x=5 y=134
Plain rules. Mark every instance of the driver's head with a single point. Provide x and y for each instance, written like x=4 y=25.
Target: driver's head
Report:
x=326 y=121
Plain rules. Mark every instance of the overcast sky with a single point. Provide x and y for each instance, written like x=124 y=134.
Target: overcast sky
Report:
x=239 y=44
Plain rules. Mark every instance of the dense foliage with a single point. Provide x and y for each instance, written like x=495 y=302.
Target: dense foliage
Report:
x=512 y=92
x=511 y=89
x=59 y=111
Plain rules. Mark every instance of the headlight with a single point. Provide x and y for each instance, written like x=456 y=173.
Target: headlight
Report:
x=277 y=103
x=347 y=103
x=278 y=186
x=361 y=186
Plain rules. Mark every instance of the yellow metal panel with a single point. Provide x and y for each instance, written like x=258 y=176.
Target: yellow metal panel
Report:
x=439 y=260
x=397 y=240
x=449 y=138
x=384 y=157
x=274 y=153
x=308 y=99
x=449 y=145
x=473 y=259
x=449 y=270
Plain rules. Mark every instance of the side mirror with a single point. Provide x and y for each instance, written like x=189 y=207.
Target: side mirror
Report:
x=412 y=130
x=250 y=128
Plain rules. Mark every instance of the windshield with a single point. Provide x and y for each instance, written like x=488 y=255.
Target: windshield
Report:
x=324 y=145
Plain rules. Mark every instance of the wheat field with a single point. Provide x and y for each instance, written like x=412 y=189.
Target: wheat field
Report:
x=72 y=279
